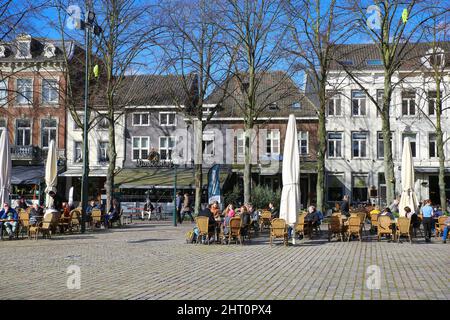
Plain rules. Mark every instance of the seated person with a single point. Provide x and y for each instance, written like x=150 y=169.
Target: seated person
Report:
x=113 y=214
x=375 y=210
x=275 y=213
x=9 y=214
x=22 y=204
x=313 y=216
x=254 y=216
x=148 y=209
x=65 y=211
x=206 y=212
x=92 y=205
x=215 y=210
x=387 y=212
x=245 y=220
x=35 y=211
x=446 y=229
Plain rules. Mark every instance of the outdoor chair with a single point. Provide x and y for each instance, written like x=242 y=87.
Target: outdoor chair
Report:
x=203 y=229
x=24 y=223
x=404 y=228
x=44 y=227
x=235 y=230
x=354 y=227
x=74 y=222
x=384 y=227
x=264 y=222
x=300 y=226
x=96 y=217
x=373 y=222
x=64 y=223
x=440 y=226
x=362 y=218
x=278 y=229
x=335 y=227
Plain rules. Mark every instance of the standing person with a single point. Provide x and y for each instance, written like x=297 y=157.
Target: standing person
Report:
x=274 y=212
x=57 y=203
x=394 y=206
x=11 y=217
x=345 y=207
x=179 y=204
x=187 y=208
x=148 y=209
x=427 y=213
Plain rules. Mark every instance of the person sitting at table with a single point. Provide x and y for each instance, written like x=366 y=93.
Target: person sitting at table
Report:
x=35 y=212
x=387 y=212
x=374 y=211
x=22 y=204
x=446 y=229
x=275 y=213
x=206 y=212
x=113 y=214
x=9 y=214
x=254 y=216
x=148 y=209
x=245 y=220
x=215 y=210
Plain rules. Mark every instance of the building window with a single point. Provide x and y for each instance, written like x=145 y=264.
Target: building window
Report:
x=103 y=123
x=334 y=105
x=412 y=141
x=358 y=103
x=359 y=188
x=240 y=143
x=103 y=150
x=166 y=145
x=273 y=107
x=432 y=96
x=24 y=91
x=3 y=93
x=335 y=186
x=48 y=131
x=208 y=144
x=359 y=144
x=23 y=132
x=296 y=105
x=140 y=119
x=49 y=91
x=273 y=142
x=380 y=145
x=380 y=95
x=167 y=119
x=140 y=147
x=77 y=152
x=374 y=62
x=432 y=147
x=334 y=144
x=408 y=103
x=303 y=145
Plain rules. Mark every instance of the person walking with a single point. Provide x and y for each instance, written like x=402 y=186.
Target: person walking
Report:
x=186 y=208
x=427 y=213
x=179 y=204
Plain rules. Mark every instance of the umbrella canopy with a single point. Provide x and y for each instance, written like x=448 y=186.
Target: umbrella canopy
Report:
x=408 y=198
x=51 y=173
x=5 y=168
x=290 y=195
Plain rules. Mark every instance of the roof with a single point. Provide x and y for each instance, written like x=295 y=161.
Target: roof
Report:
x=37 y=49
x=359 y=54
x=276 y=93
x=145 y=178
x=155 y=90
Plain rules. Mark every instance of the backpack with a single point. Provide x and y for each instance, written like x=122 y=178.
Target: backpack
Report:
x=191 y=236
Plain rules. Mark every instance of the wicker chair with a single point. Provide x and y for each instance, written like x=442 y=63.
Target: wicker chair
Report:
x=264 y=222
x=362 y=217
x=235 y=230
x=278 y=229
x=96 y=217
x=384 y=227
x=440 y=226
x=335 y=227
x=74 y=222
x=203 y=225
x=44 y=227
x=300 y=226
x=354 y=227
x=374 y=222
x=24 y=222
x=404 y=228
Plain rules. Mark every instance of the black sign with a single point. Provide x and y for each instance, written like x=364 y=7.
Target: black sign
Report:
x=154 y=162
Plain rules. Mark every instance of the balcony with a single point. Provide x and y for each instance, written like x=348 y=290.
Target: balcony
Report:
x=33 y=154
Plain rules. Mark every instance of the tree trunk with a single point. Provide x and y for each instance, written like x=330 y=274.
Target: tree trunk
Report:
x=440 y=146
x=320 y=186
x=111 y=163
x=387 y=145
x=247 y=165
x=198 y=135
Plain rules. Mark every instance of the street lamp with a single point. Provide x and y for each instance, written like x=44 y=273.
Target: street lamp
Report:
x=88 y=25
x=174 y=194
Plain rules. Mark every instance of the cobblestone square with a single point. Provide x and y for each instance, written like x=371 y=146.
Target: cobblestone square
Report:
x=152 y=261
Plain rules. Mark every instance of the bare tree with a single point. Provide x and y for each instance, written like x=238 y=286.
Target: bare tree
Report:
x=315 y=28
x=255 y=34
x=193 y=47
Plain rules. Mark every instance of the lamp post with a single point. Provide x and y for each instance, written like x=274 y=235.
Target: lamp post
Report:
x=87 y=25
x=174 y=195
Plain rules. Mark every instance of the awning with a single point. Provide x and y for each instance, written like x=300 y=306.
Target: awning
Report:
x=429 y=170
x=144 y=178
x=78 y=172
x=27 y=174
x=269 y=170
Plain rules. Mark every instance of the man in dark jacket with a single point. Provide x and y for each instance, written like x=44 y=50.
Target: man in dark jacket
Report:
x=207 y=213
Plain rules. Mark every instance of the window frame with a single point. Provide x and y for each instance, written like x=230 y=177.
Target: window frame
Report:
x=409 y=134
x=16 y=131
x=140 y=147
x=408 y=100
x=4 y=100
x=75 y=143
x=335 y=141
x=167 y=124
x=333 y=99
x=359 y=100
x=238 y=138
x=204 y=146
x=140 y=114
x=167 y=149
x=359 y=140
x=100 y=159
x=49 y=129
x=300 y=139
x=274 y=142
x=46 y=81
x=430 y=134
x=29 y=101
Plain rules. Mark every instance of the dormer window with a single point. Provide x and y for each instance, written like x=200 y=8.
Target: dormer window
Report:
x=49 y=50
x=434 y=58
x=346 y=62
x=273 y=107
x=296 y=105
x=374 y=62
x=23 y=47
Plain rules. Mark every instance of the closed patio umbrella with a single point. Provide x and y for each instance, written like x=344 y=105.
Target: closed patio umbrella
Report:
x=51 y=173
x=290 y=195
x=5 y=168
x=408 y=197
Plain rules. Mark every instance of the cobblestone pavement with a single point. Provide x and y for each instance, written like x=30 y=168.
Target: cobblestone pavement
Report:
x=152 y=261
